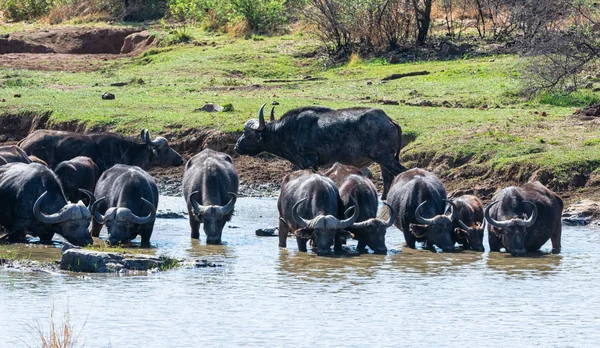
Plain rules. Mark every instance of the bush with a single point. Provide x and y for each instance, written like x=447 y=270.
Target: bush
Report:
x=20 y=10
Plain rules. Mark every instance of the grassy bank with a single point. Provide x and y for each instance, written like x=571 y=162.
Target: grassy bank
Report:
x=473 y=126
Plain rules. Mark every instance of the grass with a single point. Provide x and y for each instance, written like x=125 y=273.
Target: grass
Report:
x=478 y=117
x=59 y=334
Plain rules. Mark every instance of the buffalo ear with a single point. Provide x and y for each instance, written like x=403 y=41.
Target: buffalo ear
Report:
x=418 y=230
x=303 y=233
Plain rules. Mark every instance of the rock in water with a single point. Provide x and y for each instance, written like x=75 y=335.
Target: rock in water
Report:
x=267 y=232
x=82 y=260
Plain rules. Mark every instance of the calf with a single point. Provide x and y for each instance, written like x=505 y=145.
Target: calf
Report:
x=79 y=172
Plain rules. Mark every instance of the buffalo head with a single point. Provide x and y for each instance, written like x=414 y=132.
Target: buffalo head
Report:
x=324 y=227
x=161 y=154
x=122 y=224
x=470 y=236
x=213 y=217
x=514 y=231
x=375 y=229
x=252 y=142
x=437 y=230
x=71 y=222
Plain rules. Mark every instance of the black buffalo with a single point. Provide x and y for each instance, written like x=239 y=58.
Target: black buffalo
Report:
x=313 y=136
x=127 y=204
x=210 y=185
x=105 y=149
x=32 y=202
x=310 y=206
x=418 y=198
x=522 y=219
x=368 y=230
x=79 y=172
x=12 y=154
x=468 y=222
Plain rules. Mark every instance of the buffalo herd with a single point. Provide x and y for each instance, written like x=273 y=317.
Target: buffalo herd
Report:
x=100 y=179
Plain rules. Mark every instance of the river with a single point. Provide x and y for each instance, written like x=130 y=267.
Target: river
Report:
x=266 y=296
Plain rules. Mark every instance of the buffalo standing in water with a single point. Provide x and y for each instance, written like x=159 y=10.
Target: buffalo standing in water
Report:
x=313 y=136
x=368 y=230
x=105 y=149
x=418 y=198
x=32 y=202
x=310 y=206
x=210 y=185
x=128 y=204
x=522 y=219
x=468 y=223
x=79 y=172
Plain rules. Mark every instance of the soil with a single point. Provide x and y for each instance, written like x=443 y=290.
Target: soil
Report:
x=72 y=48
x=588 y=113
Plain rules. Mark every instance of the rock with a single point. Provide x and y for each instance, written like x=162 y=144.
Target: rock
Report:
x=119 y=84
x=390 y=102
x=582 y=212
x=17 y=95
x=3 y=138
x=170 y=215
x=137 y=42
x=210 y=108
x=108 y=96
x=369 y=83
x=2 y=100
x=589 y=85
x=82 y=260
x=267 y=232
x=228 y=108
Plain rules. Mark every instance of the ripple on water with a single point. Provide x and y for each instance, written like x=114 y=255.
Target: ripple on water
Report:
x=267 y=296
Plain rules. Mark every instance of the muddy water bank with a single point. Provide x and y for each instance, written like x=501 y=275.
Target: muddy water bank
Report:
x=411 y=296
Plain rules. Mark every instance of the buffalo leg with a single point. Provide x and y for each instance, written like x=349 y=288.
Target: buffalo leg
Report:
x=146 y=238
x=302 y=244
x=555 y=239
x=96 y=227
x=409 y=238
x=283 y=233
x=361 y=247
x=195 y=227
x=389 y=169
x=494 y=240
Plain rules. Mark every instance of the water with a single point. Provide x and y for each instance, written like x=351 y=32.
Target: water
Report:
x=265 y=296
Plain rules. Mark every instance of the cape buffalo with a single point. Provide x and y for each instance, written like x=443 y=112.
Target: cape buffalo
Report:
x=129 y=197
x=79 y=172
x=210 y=186
x=105 y=149
x=418 y=198
x=32 y=202
x=522 y=219
x=468 y=223
x=368 y=230
x=313 y=136
x=13 y=153
x=310 y=206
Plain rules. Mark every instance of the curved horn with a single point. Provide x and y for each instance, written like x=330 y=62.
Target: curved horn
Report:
x=421 y=219
x=47 y=219
x=95 y=213
x=142 y=220
x=490 y=220
x=272 y=114
x=302 y=222
x=90 y=196
x=198 y=209
x=343 y=224
x=145 y=135
x=453 y=208
x=529 y=222
x=464 y=227
x=228 y=208
x=261 y=118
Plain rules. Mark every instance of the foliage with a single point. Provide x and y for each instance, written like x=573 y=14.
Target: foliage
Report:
x=19 y=10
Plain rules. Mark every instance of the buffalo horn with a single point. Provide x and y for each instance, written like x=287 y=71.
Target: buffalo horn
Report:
x=228 y=208
x=464 y=227
x=453 y=208
x=303 y=223
x=490 y=220
x=90 y=196
x=349 y=221
x=47 y=219
x=529 y=222
x=95 y=213
x=130 y=216
x=420 y=218
x=273 y=114
x=261 y=118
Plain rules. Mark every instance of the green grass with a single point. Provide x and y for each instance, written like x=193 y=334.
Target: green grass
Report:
x=493 y=127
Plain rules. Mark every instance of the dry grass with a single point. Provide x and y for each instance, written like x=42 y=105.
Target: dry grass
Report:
x=60 y=334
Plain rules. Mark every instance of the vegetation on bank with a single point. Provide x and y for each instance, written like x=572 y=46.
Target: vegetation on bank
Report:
x=467 y=115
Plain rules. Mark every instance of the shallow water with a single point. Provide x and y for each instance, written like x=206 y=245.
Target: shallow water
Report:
x=267 y=296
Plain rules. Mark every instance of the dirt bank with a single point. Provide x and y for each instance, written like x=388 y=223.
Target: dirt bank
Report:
x=71 y=48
